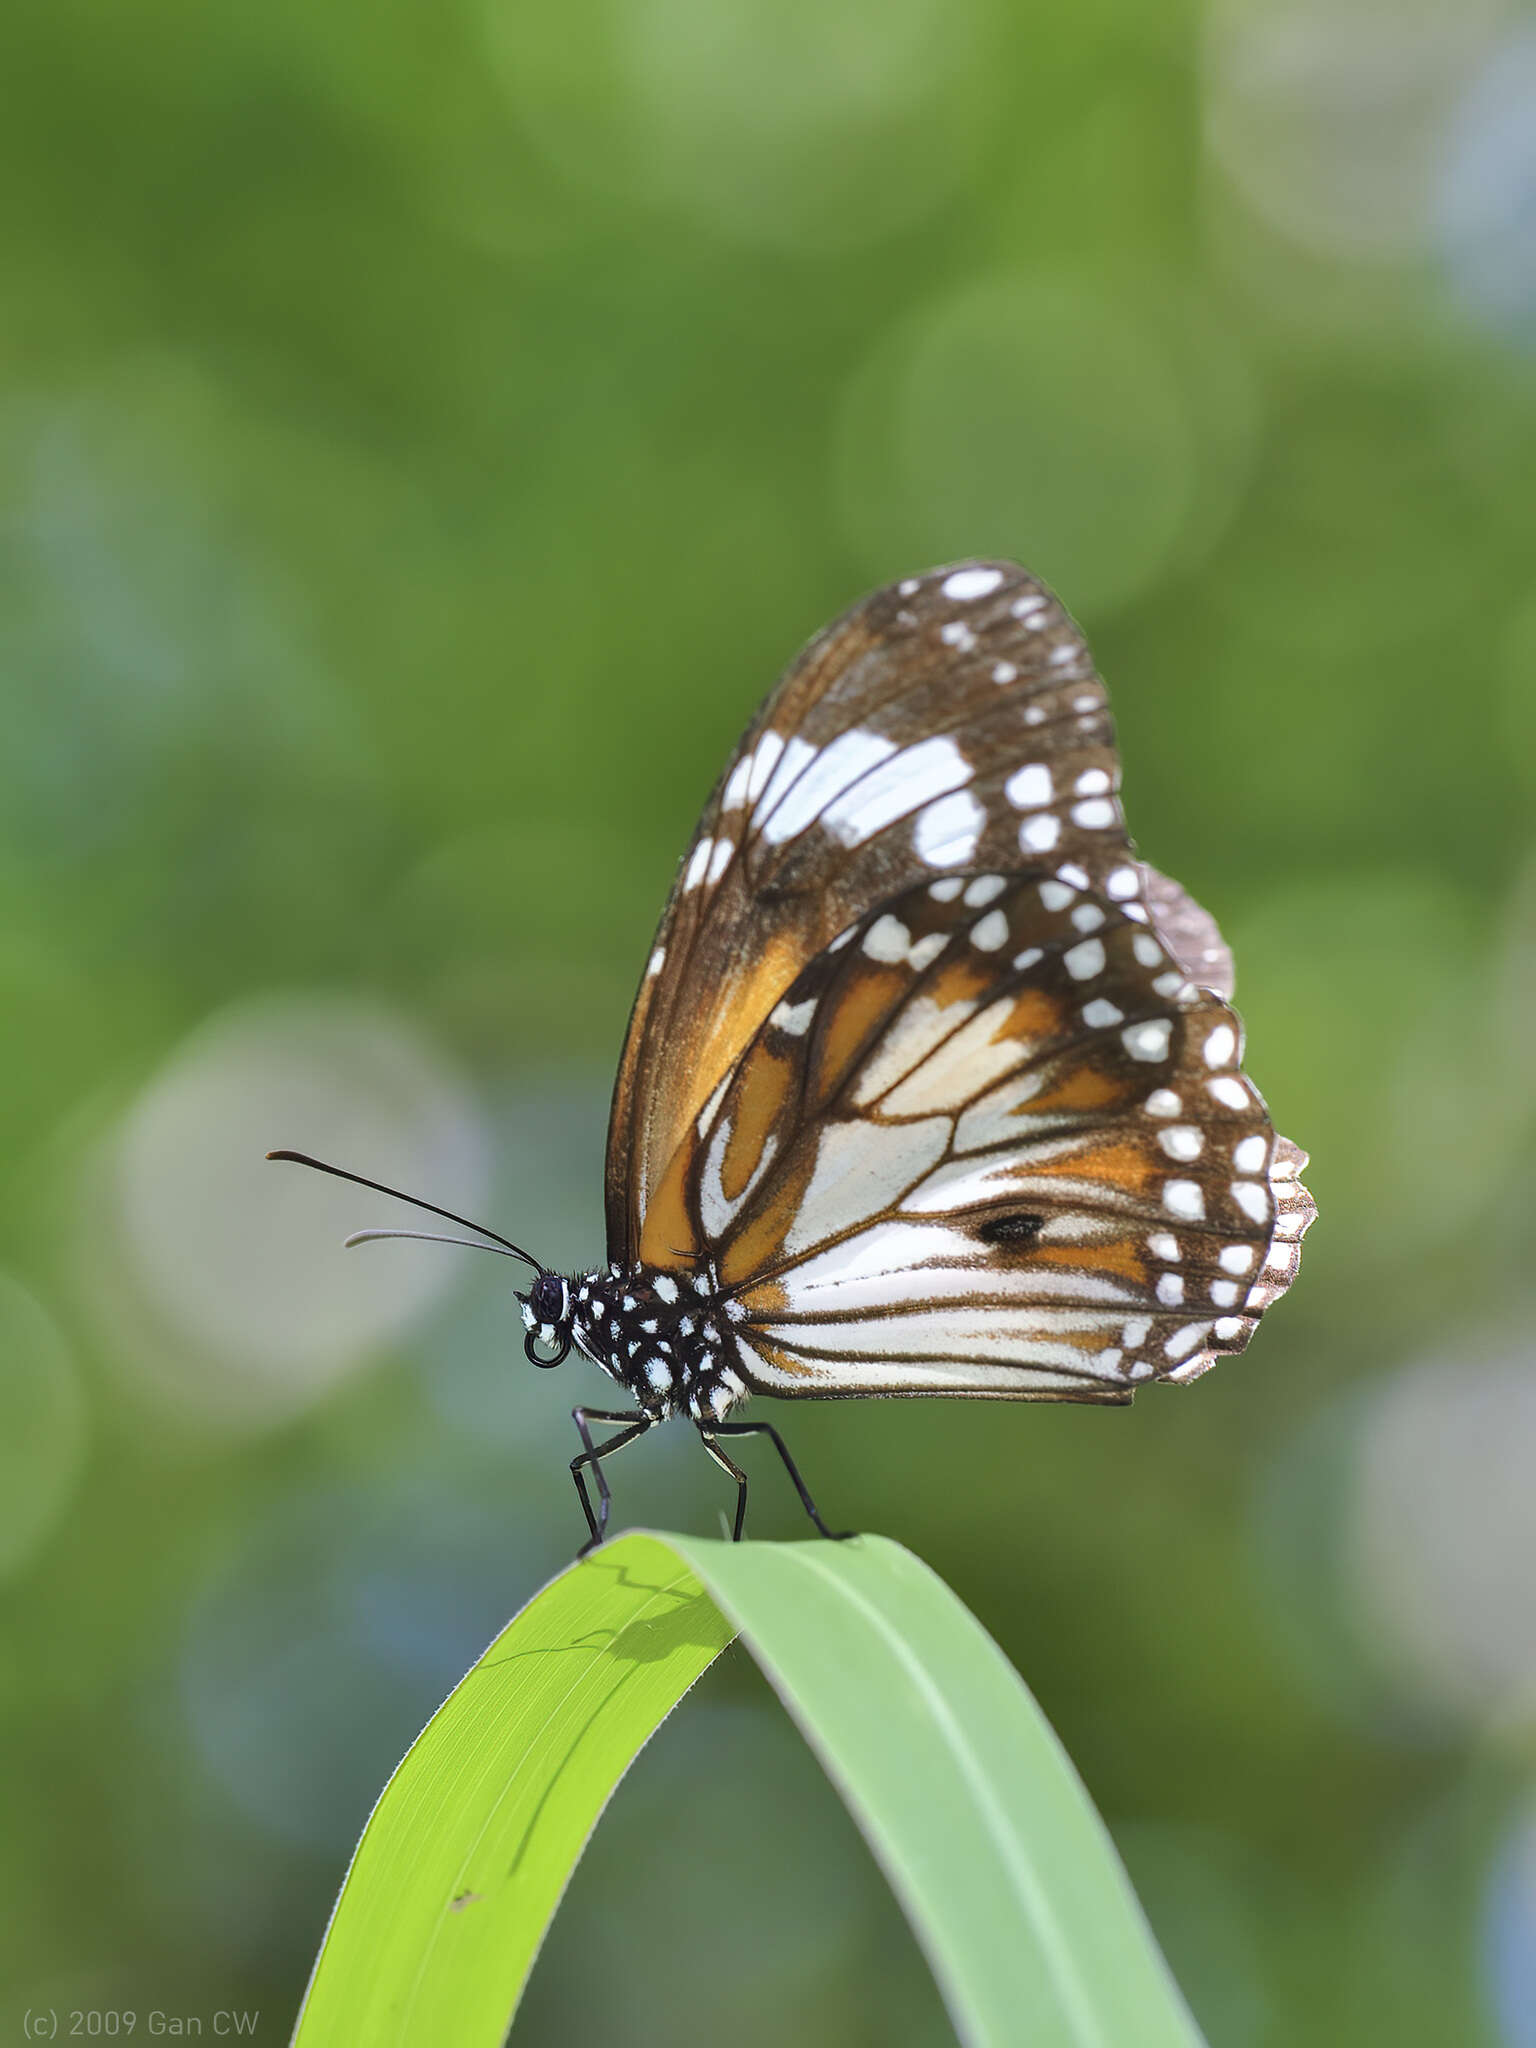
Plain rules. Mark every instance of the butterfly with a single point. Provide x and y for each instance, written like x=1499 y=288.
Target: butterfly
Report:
x=932 y=1085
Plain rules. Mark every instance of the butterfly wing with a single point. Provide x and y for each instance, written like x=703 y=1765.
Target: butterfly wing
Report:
x=952 y=721
x=995 y=1142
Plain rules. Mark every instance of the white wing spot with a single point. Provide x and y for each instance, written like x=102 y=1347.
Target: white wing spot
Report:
x=1183 y=1198
x=901 y=782
x=984 y=890
x=1029 y=787
x=1220 y=1046
x=1055 y=895
x=1149 y=1040
x=1094 y=814
x=1069 y=871
x=1146 y=949
x=1251 y=1199
x=1029 y=607
x=947 y=890
x=1092 y=782
x=946 y=833
x=1034 y=714
x=1162 y=1244
x=1249 y=1154
x=666 y=1287
x=958 y=634
x=1182 y=1342
x=1224 y=1293
x=1087 y=917
x=1182 y=1141
x=795 y=1018
x=1169 y=984
x=1170 y=1289
x=1231 y=1092
x=1085 y=961
x=1004 y=672
x=719 y=860
x=1229 y=1327
x=1136 y=1332
x=887 y=939
x=963 y=585
x=1027 y=958
x=926 y=951
x=1040 y=834
x=1235 y=1258
x=1101 y=1014
x=1122 y=883
x=990 y=932
x=1162 y=1102
x=657 y=961
x=699 y=862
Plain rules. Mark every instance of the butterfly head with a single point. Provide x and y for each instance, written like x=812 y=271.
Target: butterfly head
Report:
x=547 y=1318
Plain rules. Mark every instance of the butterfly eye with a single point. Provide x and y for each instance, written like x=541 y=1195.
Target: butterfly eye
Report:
x=546 y=1298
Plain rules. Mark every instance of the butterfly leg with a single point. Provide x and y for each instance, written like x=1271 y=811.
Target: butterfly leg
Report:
x=593 y=1454
x=707 y=1438
x=767 y=1429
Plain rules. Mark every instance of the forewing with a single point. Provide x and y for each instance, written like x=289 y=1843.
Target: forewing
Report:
x=946 y=723
x=995 y=1142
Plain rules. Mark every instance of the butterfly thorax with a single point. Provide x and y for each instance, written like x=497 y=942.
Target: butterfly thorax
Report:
x=665 y=1337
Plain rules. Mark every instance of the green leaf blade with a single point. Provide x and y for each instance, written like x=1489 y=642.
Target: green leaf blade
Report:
x=961 y=1789
x=473 y=1841
x=957 y=1781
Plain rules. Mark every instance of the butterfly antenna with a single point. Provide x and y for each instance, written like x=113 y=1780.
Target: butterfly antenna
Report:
x=341 y=1173
x=427 y=1237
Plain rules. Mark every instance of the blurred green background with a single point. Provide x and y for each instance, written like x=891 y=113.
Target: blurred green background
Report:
x=426 y=431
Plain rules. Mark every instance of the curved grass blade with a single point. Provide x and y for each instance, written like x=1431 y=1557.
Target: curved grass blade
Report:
x=970 y=1804
x=962 y=1791
x=474 y=1838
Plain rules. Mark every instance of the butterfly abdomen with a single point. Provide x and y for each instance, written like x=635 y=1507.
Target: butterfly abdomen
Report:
x=666 y=1337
